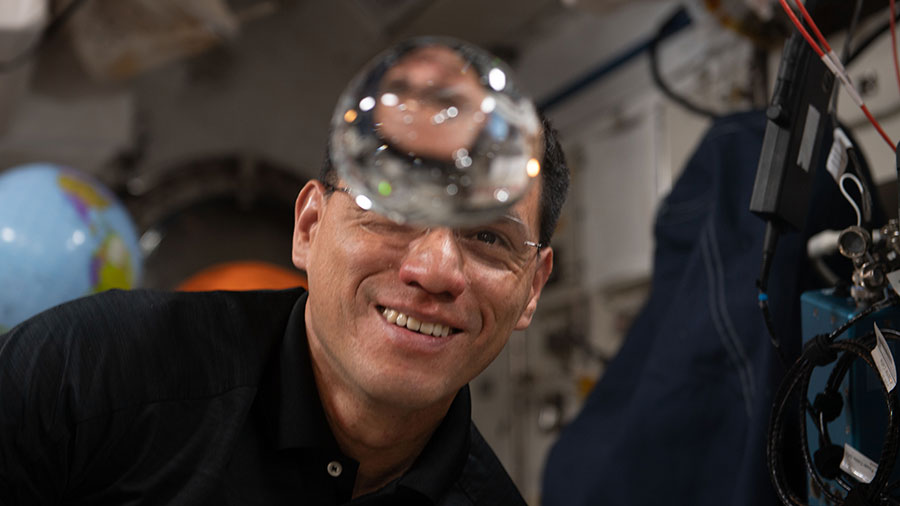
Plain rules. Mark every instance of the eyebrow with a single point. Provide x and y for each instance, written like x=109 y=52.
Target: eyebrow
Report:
x=444 y=89
x=519 y=222
x=514 y=218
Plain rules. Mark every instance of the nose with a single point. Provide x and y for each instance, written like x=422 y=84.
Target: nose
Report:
x=434 y=262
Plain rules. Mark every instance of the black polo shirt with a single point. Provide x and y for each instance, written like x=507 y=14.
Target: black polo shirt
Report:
x=155 y=398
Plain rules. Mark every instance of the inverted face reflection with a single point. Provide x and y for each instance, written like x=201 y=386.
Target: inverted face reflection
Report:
x=435 y=131
x=429 y=104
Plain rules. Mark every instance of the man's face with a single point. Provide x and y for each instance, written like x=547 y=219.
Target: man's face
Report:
x=361 y=278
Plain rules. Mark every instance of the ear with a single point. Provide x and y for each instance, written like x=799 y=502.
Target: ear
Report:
x=307 y=216
x=541 y=273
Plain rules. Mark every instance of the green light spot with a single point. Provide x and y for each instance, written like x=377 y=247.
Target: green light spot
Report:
x=384 y=188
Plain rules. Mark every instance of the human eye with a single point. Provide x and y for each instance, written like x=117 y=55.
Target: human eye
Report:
x=397 y=86
x=490 y=238
x=489 y=245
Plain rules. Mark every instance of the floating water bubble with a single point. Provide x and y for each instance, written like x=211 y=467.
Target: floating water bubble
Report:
x=436 y=131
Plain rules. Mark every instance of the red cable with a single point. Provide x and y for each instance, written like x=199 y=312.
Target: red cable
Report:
x=894 y=44
x=818 y=50
x=799 y=25
x=812 y=24
x=884 y=136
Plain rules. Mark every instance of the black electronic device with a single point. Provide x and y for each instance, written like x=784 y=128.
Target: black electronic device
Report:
x=797 y=116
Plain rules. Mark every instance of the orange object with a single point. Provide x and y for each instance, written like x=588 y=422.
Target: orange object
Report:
x=243 y=275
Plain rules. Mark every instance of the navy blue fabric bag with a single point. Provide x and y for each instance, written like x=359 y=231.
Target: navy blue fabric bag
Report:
x=681 y=413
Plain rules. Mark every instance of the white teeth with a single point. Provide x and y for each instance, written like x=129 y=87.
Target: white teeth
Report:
x=431 y=329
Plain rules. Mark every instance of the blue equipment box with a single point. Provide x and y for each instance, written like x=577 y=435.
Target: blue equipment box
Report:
x=863 y=419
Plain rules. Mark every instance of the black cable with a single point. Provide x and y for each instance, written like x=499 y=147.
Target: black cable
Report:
x=897 y=165
x=861 y=349
x=808 y=460
x=862 y=314
x=867 y=200
x=835 y=123
x=770 y=242
x=796 y=382
x=857 y=349
x=845 y=53
x=774 y=440
x=50 y=31
x=663 y=31
x=874 y=35
x=797 y=376
x=868 y=40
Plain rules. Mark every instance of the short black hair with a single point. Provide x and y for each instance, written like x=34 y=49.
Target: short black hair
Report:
x=554 y=179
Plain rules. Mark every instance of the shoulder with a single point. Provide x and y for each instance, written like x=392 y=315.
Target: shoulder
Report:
x=483 y=480
x=142 y=345
x=136 y=310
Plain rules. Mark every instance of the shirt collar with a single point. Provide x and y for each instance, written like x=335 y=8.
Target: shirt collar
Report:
x=441 y=462
x=291 y=402
x=290 y=399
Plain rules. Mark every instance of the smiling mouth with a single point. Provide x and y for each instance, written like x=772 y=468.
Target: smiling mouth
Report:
x=411 y=323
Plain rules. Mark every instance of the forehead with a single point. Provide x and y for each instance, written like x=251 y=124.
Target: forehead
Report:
x=527 y=209
x=440 y=56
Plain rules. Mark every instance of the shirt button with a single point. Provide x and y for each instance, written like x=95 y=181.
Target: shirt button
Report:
x=335 y=468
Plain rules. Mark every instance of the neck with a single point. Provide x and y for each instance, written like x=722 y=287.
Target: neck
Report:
x=385 y=439
x=385 y=444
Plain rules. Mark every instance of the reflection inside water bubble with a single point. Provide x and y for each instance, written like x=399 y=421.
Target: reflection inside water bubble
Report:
x=435 y=131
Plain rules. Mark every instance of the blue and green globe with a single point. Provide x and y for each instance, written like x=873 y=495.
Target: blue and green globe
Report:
x=63 y=235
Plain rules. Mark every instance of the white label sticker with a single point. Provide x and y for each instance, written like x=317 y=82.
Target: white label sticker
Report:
x=894 y=279
x=858 y=465
x=884 y=360
x=837 y=157
x=808 y=140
